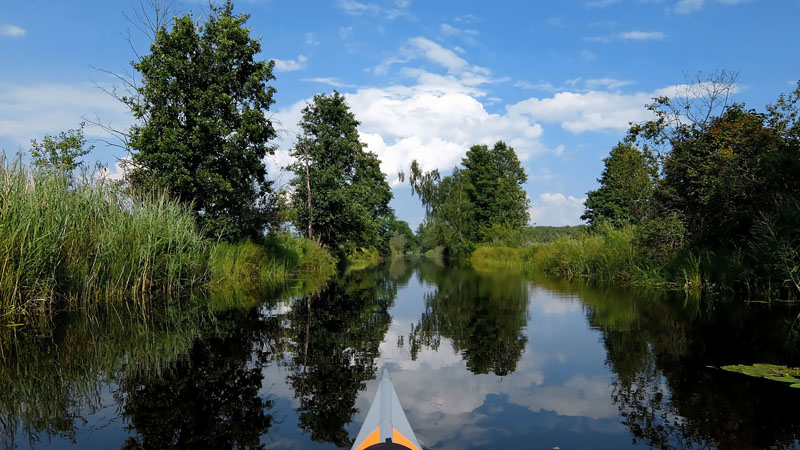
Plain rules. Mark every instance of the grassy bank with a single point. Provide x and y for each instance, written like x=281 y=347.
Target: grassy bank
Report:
x=67 y=242
x=609 y=256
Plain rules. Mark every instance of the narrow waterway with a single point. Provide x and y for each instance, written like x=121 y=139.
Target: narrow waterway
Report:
x=478 y=360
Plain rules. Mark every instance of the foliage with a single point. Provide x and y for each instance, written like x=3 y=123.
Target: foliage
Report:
x=626 y=188
x=402 y=239
x=725 y=202
x=660 y=238
x=488 y=258
x=349 y=193
x=462 y=208
x=544 y=234
x=363 y=258
x=278 y=259
x=725 y=178
x=66 y=241
x=608 y=255
x=495 y=179
x=203 y=131
x=60 y=152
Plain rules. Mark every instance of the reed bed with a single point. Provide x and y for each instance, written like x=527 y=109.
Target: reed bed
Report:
x=607 y=256
x=67 y=240
x=77 y=241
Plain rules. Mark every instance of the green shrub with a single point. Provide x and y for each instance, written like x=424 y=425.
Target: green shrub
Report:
x=660 y=238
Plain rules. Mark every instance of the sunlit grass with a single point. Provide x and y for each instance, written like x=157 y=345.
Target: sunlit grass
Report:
x=64 y=240
x=70 y=242
x=607 y=256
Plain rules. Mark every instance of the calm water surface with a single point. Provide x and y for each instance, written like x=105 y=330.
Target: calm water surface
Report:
x=478 y=360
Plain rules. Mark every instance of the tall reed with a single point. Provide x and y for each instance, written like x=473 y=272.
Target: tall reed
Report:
x=66 y=240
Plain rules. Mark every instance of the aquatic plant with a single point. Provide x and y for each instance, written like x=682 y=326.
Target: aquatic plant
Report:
x=769 y=371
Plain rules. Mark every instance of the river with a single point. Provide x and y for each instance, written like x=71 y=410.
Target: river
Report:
x=479 y=360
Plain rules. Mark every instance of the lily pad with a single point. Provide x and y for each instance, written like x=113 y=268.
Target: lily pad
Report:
x=769 y=371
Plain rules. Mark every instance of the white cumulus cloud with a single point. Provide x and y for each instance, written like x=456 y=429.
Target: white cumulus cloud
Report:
x=557 y=209
x=433 y=118
x=291 y=65
x=588 y=111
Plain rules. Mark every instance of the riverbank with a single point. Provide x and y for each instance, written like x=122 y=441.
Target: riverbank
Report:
x=610 y=256
x=69 y=242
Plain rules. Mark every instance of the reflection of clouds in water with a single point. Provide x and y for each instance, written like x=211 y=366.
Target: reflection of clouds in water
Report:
x=441 y=396
x=578 y=396
x=447 y=404
x=551 y=304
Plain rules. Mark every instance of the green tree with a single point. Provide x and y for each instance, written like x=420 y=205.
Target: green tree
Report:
x=625 y=195
x=60 y=152
x=462 y=208
x=401 y=238
x=495 y=186
x=449 y=211
x=203 y=131
x=349 y=200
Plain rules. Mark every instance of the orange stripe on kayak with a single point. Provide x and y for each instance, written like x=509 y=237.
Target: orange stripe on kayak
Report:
x=372 y=439
x=398 y=438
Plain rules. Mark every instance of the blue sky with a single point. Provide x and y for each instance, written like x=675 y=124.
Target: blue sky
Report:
x=559 y=80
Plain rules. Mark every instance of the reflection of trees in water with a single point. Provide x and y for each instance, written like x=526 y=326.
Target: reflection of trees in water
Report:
x=484 y=316
x=209 y=399
x=660 y=349
x=401 y=270
x=334 y=340
x=49 y=382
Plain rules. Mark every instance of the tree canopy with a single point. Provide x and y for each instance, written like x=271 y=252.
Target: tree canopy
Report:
x=203 y=131
x=462 y=208
x=349 y=194
x=626 y=188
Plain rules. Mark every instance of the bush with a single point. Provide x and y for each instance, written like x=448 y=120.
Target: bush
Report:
x=659 y=239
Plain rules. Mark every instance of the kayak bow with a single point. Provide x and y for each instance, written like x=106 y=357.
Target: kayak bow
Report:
x=386 y=426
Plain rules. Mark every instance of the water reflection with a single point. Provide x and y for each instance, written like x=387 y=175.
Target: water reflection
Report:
x=480 y=360
x=50 y=381
x=208 y=399
x=334 y=342
x=663 y=353
x=484 y=315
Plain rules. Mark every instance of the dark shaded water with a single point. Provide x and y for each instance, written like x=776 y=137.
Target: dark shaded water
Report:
x=478 y=360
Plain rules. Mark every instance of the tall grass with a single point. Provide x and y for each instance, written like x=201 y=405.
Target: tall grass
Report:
x=607 y=256
x=64 y=240
x=72 y=242
x=280 y=259
x=363 y=258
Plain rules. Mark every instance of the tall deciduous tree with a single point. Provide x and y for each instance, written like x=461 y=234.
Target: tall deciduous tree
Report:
x=625 y=195
x=462 y=207
x=349 y=193
x=495 y=186
x=203 y=132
